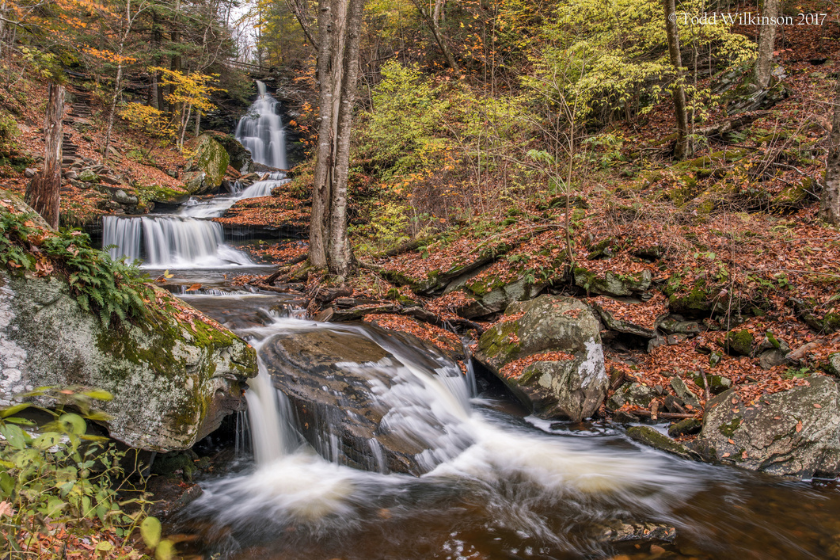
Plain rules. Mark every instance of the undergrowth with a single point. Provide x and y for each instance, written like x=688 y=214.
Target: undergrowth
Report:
x=99 y=283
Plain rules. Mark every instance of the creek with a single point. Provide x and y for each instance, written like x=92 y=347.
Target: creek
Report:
x=494 y=482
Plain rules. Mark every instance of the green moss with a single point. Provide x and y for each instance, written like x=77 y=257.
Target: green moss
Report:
x=739 y=342
x=213 y=159
x=496 y=343
x=730 y=428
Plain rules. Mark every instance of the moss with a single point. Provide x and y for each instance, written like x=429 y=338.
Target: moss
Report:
x=157 y=193
x=739 y=342
x=649 y=436
x=730 y=428
x=831 y=322
x=772 y=339
x=498 y=344
x=213 y=160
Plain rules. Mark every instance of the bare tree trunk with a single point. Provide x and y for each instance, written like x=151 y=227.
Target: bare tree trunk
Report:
x=766 y=43
x=197 y=123
x=432 y=22
x=42 y=194
x=830 y=199
x=113 y=109
x=340 y=254
x=683 y=147
x=321 y=189
x=300 y=12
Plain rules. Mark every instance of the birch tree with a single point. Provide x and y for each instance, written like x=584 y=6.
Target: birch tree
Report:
x=830 y=200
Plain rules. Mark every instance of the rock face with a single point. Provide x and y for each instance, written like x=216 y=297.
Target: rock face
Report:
x=172 y=383
x=573 y=388
x=792 y=433
x=347 y=394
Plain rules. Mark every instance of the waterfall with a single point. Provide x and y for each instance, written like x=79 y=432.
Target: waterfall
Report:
x=261 y=131
x=170 y=242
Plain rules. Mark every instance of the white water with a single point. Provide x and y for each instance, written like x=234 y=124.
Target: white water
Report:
x=466 y=445
x=261 y=131
x=171 y=242
x=198 y=242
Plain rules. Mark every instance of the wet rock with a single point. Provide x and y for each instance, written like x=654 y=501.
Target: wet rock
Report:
x=625 y=417
x=194 y=182
x=332 y=379
x=657 y=440
x=689 y=426
x=572 y=388
x=617 y=531
x=683 y=392
x=792 y=433
x=239 y=156
x=171 y=496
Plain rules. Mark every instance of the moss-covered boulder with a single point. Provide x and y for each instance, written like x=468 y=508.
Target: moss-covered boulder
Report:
x=792 y=433
x=634 y=394
x=498 y=296
x=548 y=352
x=610 y=283
x=240 y=157
x=212 y=160
x=739 y=343
x=173 y=380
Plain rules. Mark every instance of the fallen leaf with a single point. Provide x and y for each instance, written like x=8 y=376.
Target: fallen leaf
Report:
x=725 y=455
x=799 y=426
x=730 y=441
x=194 y=287
x=817 y=405
x=6 y=509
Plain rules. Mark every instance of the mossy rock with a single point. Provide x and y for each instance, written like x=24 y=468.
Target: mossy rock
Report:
x=212 y=159
x=240 y=157
x=717 y=383
x=88 y=176
x=739 y=343
x=610 y=283
x=650 y=437
x=687 y=427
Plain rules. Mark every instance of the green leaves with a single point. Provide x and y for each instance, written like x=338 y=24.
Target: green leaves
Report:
x=150 y=530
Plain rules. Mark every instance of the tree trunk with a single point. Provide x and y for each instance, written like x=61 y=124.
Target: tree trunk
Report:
x=340 y=254
x=830 y=199
x=766 y=44
x=321 y=188
x=432 y=22
x=113 y=108
x=339 y=31
x=42 y=194
x=683 y=147
x=156 y=93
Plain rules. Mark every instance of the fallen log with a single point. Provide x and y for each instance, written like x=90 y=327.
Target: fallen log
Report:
x=273 y=278
x=665 y=415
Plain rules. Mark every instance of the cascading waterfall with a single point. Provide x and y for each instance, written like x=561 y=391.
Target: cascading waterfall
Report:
x=198 y=242
x=261 y=131
x=170 y=242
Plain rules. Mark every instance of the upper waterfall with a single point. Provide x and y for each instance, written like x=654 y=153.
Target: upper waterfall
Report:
x=261 y=130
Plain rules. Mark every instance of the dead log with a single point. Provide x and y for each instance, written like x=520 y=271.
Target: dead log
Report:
x=284 y=268
x=664 y=415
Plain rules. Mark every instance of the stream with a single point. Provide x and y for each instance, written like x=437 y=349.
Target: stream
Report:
x=497 y=483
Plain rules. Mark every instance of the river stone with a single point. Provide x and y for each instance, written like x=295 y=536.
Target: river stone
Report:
x=172 y=383
x=617 y=531
x=634 y=394
x=194 y=182
x=792 y=433
x=572 y=388
x=240 y=157
x=657 y=440
x=329 y=377
x=499 y=298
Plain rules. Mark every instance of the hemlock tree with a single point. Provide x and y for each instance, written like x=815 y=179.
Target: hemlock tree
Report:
x=339 y=30
x=830 y=199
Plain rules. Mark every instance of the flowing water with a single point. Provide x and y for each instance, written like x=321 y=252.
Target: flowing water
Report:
x=497 y=484
x=191 y=239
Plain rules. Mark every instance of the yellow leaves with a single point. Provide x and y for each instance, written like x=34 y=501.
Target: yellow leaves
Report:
x=148 y=119
x=191 y=89
x=108 y=56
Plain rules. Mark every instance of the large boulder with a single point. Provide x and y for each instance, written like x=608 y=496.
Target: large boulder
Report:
x=240 y=157
x=172 y=382
x=792 y=433
x=359 y=405
x=173 y=376
x=212 y=160
x=548 y=352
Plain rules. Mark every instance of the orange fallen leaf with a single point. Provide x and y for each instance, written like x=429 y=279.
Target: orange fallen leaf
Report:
x=194 y=287
x=725 y=455
x=730 y=441
x=799 y=426
x=817 y=405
